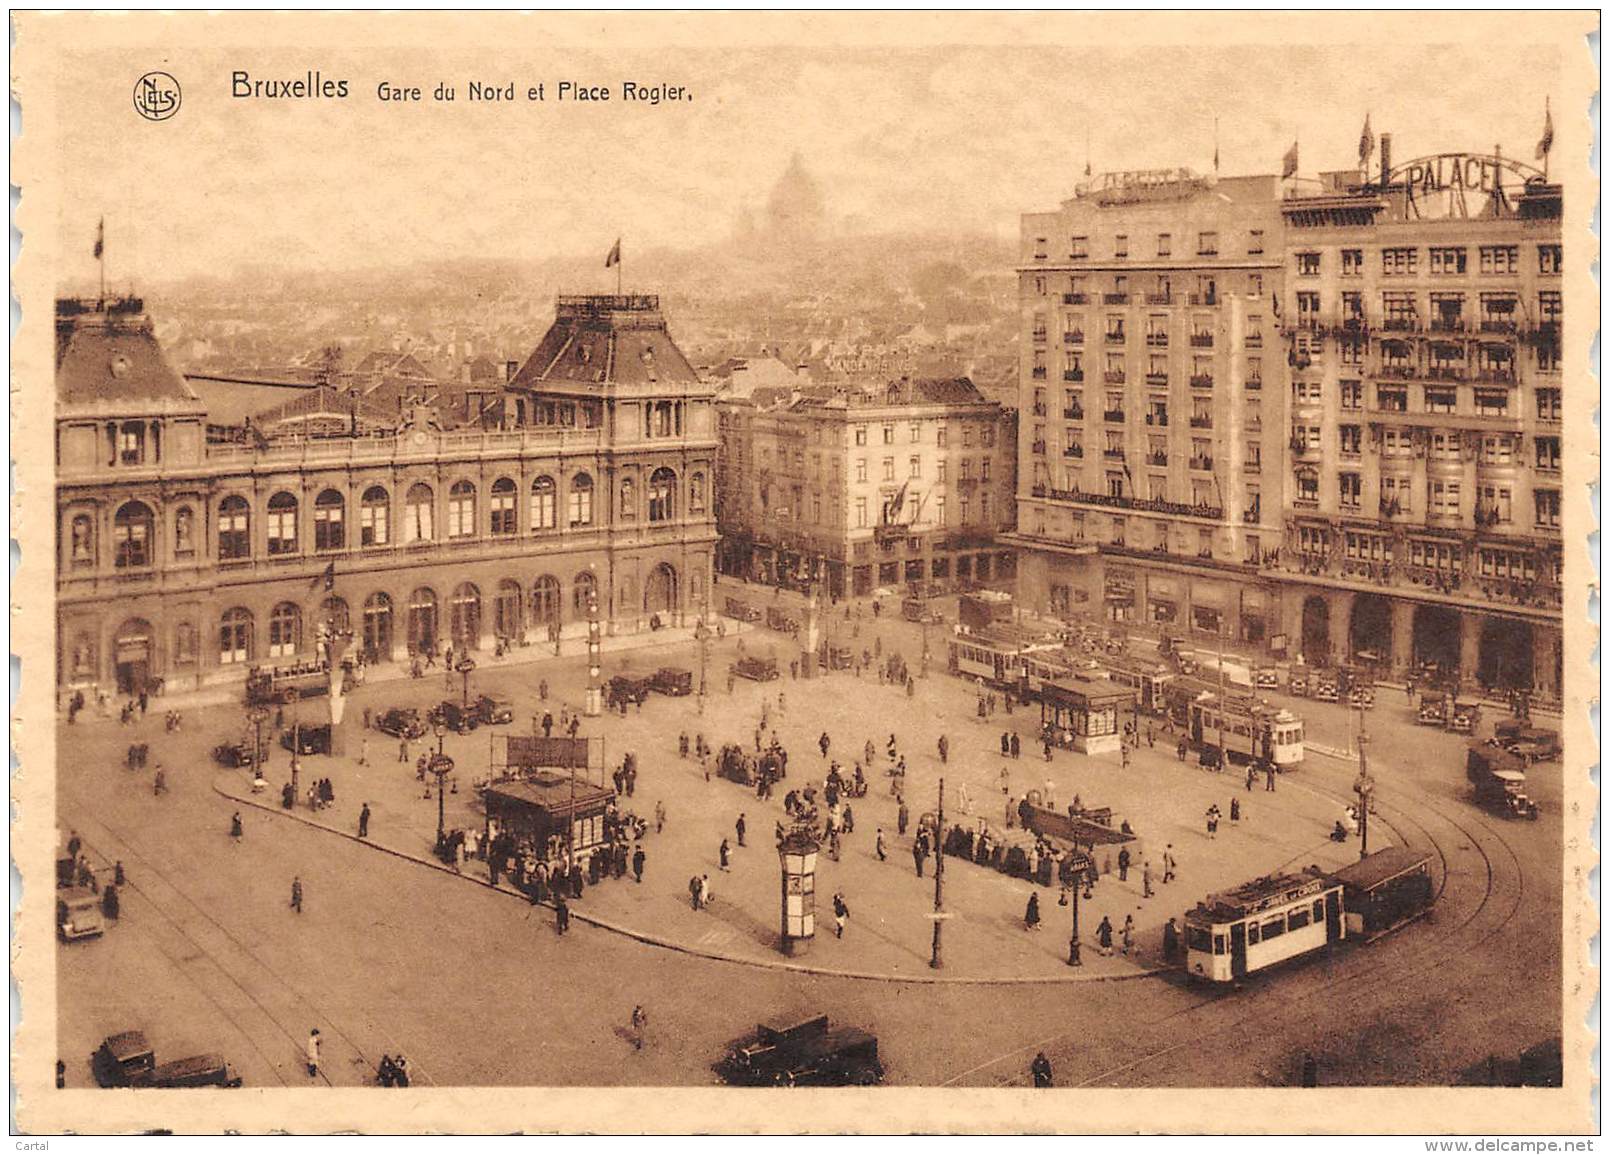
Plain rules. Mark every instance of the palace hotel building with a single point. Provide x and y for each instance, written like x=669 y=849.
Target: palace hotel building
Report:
x=1317 y=418
x=206 y=525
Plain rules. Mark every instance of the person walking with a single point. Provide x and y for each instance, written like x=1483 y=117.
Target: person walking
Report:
x=314 y=1045
x=705 y=893
x=1006 y=744
x=363 y=821
x=1040 y=1070
x=1104 y=936
x=561 y=913
x=659 y=816
x=1128 y=934
x=402 y=749
x=1171 y=941
x=1235 y=812
x=235 y=830
x=1252 y=772
x=944 y=749
x=824 y=743
x=965 y=800
x=841 y=913
x=919 y=854
x=726 y=852
x=1146 y=878
x=1269 y=777
x=741 y=828
x=1168 y=863
x=1016 y=746
x=638 y=858
x=639 y=1027
x=1212 y=817
x=1031 y=914
x=1123 y=864
x=296 y=896
x=1123 y=757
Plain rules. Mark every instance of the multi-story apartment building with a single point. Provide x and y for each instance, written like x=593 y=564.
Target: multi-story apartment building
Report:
x=196 y=538
x=1371 y=397
x=1152 y=402
x=859 y=488
x=1422 y=514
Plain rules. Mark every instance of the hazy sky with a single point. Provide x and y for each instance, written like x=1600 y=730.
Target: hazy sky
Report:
x=959 y=137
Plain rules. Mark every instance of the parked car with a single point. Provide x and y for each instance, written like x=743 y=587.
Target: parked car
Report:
x=78 y=914
x=127 y=1060
x=455 y=717
x=235 y=754
x=756 y=669
x=625 y=688
x=313 y=739
x=493 y=711
x=401 y=723
x=1527 y=742
x=1266 y=678
x=802 y=1055
x=672 y=682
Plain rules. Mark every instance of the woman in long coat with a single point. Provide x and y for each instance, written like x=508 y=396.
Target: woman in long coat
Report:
x=1031 y=916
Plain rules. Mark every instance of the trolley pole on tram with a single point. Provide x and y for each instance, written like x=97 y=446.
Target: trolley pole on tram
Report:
x=937 y=961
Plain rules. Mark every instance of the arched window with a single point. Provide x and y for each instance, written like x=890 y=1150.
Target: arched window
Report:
x=506 y=611
x=334 y=615
x=544 y=504
x=662 y=495
x=374 y=519
x=235 y=637
x=184 y=532
x=628 y=498
x=422 y=622
x=284 y=630
x=329 y=521
x=131 y=536
x=503 y=508
x=81 y=541
x=545 y=605
x=281 y=524
x=465 y=612
x=696 y=493
x=461 y=510
x=582 y=590
x=419 y=514
x=581 y=500
x=377 y=627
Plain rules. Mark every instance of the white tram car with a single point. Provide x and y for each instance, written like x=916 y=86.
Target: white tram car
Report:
x=1267 y=921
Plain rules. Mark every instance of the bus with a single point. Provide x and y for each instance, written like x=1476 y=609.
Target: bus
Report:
x=1235 y=933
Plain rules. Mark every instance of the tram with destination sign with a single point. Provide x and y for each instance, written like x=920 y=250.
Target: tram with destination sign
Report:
x=1150 y=679
x=1269 y=920
x=1252 y=730
x=996 y=657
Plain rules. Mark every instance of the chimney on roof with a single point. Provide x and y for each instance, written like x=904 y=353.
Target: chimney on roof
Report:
x=510 y=369
x=1386 y=156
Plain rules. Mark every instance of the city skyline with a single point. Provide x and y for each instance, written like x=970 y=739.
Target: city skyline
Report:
x=886 y=129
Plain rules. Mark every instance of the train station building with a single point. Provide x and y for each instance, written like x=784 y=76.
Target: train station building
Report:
x=1371 y=398
x=206 y=525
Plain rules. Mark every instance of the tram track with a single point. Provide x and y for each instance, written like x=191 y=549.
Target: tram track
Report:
x=1493 y=909
x=222 y=984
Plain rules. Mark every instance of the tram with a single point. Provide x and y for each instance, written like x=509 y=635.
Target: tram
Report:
x=1238 y=932
x=1253 y=730
x=1273 y=919
x=1150 y=678
x=996 y=657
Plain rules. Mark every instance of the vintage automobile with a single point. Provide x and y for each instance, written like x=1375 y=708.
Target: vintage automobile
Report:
x=804 y=1054
x=78 y=914
x=1498 y=779
x=1266 y=678
x=1297 y=684
x=672 y=682
x=281 y=685
x=127 y=1060
x=1464 y=716
x=455 y=717
x=756 y=669
x=743 y=611
x=1326 y=686
x=1434 y=708
x=235 y=754
x=313 y=739
x=493 y=711
x=625 y=688
x=1527 y=742
x=401 y=722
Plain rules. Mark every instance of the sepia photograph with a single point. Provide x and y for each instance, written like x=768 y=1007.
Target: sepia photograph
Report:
x=800 y=573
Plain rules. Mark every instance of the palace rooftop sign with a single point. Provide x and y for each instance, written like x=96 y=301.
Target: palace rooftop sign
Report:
x=1458 y=184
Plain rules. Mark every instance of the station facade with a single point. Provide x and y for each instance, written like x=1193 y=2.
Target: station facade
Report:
x=190 y=550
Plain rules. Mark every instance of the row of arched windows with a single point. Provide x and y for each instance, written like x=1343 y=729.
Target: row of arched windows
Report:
x=133 y=525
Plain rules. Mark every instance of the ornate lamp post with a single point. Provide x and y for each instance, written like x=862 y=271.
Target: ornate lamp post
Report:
x=466 y=666
x=797 y=853
x=701 y=634
x=258 y=715
x=1080 y=864
x=595 y=657
x=441 y=766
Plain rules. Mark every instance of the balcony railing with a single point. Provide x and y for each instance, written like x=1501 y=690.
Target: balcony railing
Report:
x=1157 y=457
x=1495 y=325
x=1113 y=454
x=1253 y=340
x=1159 y=298
x=1073 y=374
x=1040 y=409
x=1159 y=419
x=1400 y=324
x=1201 y=421
x=1143 y=504
x=1157 y=380
x=1039 y=336
x=1204 y=299
x=1038 y=373
x=1157 y=340
x=1493 y=376
x=1075 y=298
x=1114 y=376
x=1254 y=382
x=1447 y=324
x=1073 y=337
x=1073 y=413
x=1201 y=380
x=1445 y=372
x=1397 y=372
x=1073 y=451
x=1115 y=298
x=1201 y=340
x=1201 y=463
x=1115 y=338
x=1115 y=416
x=1039 y=447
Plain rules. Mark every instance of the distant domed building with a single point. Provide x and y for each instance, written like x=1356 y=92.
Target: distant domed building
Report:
x=796 y=206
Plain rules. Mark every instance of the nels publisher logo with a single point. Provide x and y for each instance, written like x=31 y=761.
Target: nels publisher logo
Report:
x=156 y=96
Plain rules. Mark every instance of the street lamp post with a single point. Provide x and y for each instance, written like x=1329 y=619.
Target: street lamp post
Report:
x=701 y=633
x=441 y=766
x=296 y=745
x=1364 y=787
x=257 y=715
x=466 y=666
x=937 y=959
x=1080 y=863
x=595 y=657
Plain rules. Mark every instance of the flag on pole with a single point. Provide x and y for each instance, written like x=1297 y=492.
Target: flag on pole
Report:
x=325 y=579
x=100 y=239
x=1366 y=144
x=614 y=257
x=1288 y=167
x=1547 y=143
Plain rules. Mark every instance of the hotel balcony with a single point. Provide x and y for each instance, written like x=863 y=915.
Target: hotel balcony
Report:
x=1074 y=375
x=1201 y=421
x=1157 y=340
x=1073 y=451
x=1075 y=298
x=1202 y=464
x=1038 y=373
x=1139 y=504
x=1157 y=380
x=1203 y=300
x=1159 y=298
x=1039 y=336
x=1040 y=409
x=1073 y=337
x=1157 y=457
x=1073 y=413
x=1114 y=376
x=1113 y=454
x=1201 y=340
x=1115 y=298
x=1115 y=416
x=1038 y=447
x=1201 y=380
x=1160 y=419
x=1115 y=338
